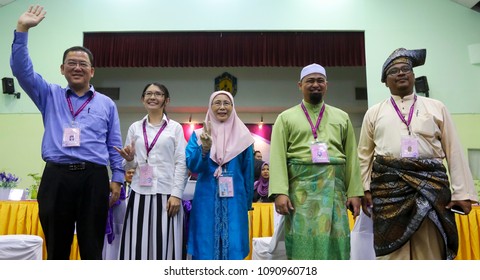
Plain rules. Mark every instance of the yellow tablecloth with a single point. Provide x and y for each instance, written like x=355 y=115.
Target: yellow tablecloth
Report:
x=21 y=217
x=261 y=222
x=469 y=235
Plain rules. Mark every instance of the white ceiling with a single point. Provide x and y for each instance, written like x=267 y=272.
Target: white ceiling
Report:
x=467 y=3
x=5 y=2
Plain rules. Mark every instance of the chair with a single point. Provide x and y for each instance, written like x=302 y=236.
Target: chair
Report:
x=189 y=189
x=21 y=247
x=361 y=239
x=111 y=250
x=271 y=248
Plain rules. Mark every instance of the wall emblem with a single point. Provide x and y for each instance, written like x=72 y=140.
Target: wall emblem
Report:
x=226 y=82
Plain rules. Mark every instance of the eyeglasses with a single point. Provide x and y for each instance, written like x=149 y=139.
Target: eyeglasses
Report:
x=73 y=64
x=219 y=103
x=154 y=93
x=395 y=71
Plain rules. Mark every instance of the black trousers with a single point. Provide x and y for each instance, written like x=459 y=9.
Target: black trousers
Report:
x=69 y=198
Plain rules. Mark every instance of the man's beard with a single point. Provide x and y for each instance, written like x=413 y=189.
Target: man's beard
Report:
x=315 y=98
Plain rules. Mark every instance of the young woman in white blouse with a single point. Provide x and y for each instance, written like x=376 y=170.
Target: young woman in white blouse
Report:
x=155 y=147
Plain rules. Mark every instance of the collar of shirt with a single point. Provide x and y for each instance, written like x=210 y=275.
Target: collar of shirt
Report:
x=70 y=92
x=315 y=108
x=406 y=98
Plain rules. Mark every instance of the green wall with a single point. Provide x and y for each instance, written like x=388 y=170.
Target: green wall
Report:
x=21 y=139
x=443 y=27
x=467 y=127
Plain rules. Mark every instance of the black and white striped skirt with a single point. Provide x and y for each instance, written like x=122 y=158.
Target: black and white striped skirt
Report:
x=148 y=233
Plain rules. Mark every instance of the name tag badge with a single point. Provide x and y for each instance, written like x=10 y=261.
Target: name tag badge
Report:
x=319 y=152
x=71 y=137
x=409 y=147
x=225 y=185
x=146 y=175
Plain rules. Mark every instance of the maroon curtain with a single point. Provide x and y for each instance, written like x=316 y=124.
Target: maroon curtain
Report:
x=226 y=49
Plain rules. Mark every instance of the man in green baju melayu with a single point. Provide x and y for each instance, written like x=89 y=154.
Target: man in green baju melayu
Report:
x=314 y=173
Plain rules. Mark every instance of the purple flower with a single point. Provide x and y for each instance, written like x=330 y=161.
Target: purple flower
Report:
x=8 y=181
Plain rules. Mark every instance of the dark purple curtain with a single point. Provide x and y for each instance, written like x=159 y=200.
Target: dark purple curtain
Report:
x=226 y=49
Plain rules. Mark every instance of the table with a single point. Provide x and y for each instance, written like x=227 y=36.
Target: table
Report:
x=261 y=222
x=469 y=235
x=21 y=217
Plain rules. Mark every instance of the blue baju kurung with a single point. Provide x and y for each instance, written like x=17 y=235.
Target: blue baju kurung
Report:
x=218 y=226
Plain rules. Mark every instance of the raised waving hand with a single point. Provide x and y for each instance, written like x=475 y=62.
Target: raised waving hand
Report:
x=31 y=18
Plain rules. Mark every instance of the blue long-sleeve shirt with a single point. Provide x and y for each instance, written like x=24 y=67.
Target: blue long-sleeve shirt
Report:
x=98 y=121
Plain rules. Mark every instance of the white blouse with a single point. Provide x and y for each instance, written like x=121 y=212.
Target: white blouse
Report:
x=167 y=157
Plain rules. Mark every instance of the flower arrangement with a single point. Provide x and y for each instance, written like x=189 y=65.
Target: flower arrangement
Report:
x=8 y=181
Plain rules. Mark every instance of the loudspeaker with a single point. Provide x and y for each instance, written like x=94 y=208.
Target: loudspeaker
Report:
x=361 y=93
x=7 y=85
x=421 y=84
x=113 y=93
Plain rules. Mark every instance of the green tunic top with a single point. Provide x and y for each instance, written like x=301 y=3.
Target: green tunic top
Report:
x=292 y=136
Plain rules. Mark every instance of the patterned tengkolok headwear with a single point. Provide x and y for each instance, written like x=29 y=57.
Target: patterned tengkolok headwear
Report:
x=412 y=57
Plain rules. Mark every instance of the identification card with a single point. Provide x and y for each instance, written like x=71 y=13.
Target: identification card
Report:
x=146 y=175
x=225 y=185
x=71 y=137
x=409 y=147
x=319 y=152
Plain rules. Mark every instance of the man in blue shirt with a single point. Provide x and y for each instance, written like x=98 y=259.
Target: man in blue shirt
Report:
x=81 y=129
